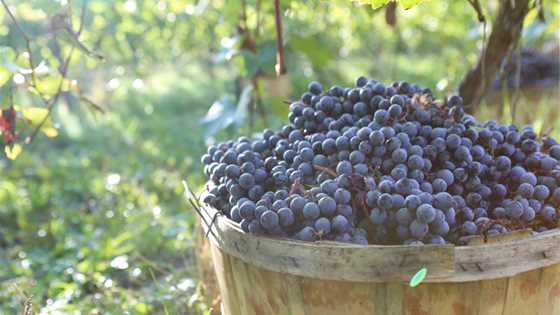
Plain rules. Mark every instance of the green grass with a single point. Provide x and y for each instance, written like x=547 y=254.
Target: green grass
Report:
x=96 y=223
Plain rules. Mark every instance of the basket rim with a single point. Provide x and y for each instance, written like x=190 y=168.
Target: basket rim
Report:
x=331 y=260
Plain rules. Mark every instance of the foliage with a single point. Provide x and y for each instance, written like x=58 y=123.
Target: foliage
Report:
x=240 y=35
x=36 y=64
x=85 y=233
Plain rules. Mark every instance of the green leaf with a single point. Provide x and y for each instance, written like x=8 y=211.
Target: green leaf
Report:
x=12 y=152
x=5 y=75
x=35 y=115
x=7 y=53
x=231 y=11
x=14 y=67
x=279 y=107
x=49 y=85
x=418 y=277
x=251 y=62
x=407 y=4
x=49 y=130
x=267 y=56
x=219 y=116
x=243 y=105
x=312 y=47
x=5 y=93
x=70 y=37
x=262 y=61
x=9 y=65
x=378 y=3
x=224 y=113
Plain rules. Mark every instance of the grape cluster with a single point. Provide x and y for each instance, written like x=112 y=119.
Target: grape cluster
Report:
x=385 y=164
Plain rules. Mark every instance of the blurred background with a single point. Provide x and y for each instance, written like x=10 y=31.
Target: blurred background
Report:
x=92 y=214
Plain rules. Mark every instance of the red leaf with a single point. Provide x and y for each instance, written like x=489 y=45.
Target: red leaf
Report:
x=8 y=124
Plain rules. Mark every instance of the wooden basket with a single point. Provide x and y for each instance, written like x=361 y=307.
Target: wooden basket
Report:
x=263 y=275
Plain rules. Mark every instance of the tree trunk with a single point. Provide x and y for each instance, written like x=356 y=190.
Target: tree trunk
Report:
x=506 y=32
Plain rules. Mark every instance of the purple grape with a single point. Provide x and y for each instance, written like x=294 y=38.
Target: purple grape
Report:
x=307 y=234
x=378 y=216
x=514 y=209
x=549 y=213
x=439 y=185
x=286 y=217
x=404 y=216
x=425 y=213
x=436 y=239
x=541 y=192
x=469 y=228
x=340 y=224
x=440 y=228
x=528 y=214
x=418 y=230
x=323 y=226
x=327 y=205
x=269 y=220
x=385 y=201
x=311 y=211
x=526 y=190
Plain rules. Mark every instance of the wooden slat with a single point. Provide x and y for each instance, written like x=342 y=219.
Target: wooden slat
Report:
x=247 y=292
x=324 y=297
x=491 y=294
x=283 y=291
x=549 y=287
x=225 y=282
x=205 y=270
x=523 y=293
x=466 y=298
x=393 y=299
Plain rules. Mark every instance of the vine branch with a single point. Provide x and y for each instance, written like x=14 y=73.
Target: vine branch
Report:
x=26 y=38
x=14 y=20
x=63 y=70
x=280 y=62
x=505 y=34
x=54 y=100
x=478 y=9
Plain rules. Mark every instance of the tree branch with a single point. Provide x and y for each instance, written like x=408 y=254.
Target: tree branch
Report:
x=506 y=32
x=27 y=40
x=82 y=19
x=478 y=8
x=391 y=13
x=63 y=72
x=54 y=100
x=16 y=23
x=258 y=18
x=280 y=63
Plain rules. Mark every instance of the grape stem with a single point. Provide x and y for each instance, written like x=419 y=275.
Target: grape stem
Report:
x=326 y=170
